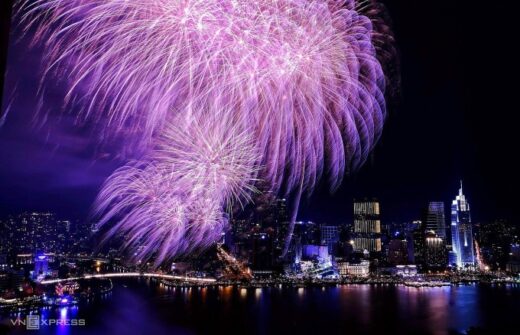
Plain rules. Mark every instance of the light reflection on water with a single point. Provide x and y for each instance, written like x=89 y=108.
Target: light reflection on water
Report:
x=243 y=293
x=146 y=307
x=258 y=293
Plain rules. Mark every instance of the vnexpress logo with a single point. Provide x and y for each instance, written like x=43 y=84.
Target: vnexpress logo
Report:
x=35 y=322
x=32 y=322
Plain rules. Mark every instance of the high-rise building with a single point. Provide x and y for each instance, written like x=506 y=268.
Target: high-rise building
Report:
x=330 y=236
x=261 y=251
x=30 y=232
x=281 y=225
x=462 y=231
x=513 y=265
x=367 y=226
x=495 y=239
x=419 y=247
x=435 y=219
x=398 y=252
x=310 y=233
x=435 y=251
x=238 y=237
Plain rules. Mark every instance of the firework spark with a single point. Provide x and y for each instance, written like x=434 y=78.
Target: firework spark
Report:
x=173 y=202
x=301 y=77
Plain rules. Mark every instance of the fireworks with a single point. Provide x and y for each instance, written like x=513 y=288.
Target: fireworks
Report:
x=293 y=90
x=173 y=201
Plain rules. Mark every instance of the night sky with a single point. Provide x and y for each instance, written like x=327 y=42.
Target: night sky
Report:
x=454 y=120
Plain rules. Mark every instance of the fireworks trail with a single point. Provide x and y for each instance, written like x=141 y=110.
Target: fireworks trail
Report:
x=174 y=201
x=302 y=78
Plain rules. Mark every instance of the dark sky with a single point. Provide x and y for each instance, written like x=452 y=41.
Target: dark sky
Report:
x=454 y=121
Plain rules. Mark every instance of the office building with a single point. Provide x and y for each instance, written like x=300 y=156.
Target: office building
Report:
x=367 y=226
x=435 y=251
x=398 y=252
x=435 y=219
x=462 y=231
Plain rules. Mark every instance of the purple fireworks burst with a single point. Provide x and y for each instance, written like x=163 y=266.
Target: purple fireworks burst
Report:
x=224 y=92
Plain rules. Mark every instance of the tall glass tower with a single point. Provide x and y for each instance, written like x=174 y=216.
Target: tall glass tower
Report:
x=435 y=219
x=367 y=226
x=461 y=231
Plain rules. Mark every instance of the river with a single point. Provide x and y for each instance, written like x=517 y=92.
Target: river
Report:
x=144 y=306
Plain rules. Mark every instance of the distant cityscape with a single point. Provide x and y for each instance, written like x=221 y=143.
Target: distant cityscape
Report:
x=41 y=248
x=367 y=245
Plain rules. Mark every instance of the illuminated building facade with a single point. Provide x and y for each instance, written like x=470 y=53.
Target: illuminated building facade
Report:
x=354 y=269
x=435 y=219
x=435 y=251
x=513 y=266
x=462 y=231
x=406 y=270
x=367 y=226
x=330 y=236
x=41 y=266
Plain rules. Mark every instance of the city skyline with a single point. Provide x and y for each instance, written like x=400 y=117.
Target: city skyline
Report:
x=258 y=167
x=258 y=240
x=429 y=212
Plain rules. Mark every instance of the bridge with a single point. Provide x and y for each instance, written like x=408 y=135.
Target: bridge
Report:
x=130 y=274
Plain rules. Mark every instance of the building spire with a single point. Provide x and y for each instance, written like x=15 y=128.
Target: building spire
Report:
x=460 y=190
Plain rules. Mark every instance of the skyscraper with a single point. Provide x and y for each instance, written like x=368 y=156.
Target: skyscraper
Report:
x=330 y=236
x=367 y=226
x=462 y=231
x=435 y=219
x=418 y=238
x=398 y=252
x=434 y=251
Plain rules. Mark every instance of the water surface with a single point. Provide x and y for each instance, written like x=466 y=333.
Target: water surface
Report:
x=143 y=306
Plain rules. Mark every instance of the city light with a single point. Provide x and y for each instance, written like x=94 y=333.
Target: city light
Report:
x=258 y=166
x=129 y=274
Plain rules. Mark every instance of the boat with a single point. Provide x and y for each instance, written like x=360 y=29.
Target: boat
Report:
x=426 y=283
